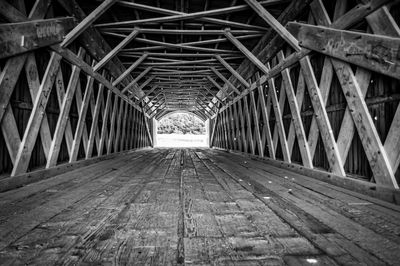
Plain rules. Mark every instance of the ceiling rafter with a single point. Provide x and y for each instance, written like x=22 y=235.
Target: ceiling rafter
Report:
x=186 y=71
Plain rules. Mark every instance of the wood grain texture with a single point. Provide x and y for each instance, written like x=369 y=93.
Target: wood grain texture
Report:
x=193 y=207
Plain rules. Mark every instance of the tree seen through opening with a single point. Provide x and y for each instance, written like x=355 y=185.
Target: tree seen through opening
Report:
x=181 y=130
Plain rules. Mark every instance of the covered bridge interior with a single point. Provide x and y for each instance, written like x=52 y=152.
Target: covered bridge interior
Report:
x=301 y=98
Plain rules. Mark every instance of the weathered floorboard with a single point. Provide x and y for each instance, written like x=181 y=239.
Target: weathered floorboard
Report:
x=194 y=207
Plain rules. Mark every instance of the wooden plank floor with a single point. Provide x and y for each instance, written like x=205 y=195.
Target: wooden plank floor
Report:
x=193 y=207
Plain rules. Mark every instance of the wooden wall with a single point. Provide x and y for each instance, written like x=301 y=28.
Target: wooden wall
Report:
x=242 y=127
x=56 y=112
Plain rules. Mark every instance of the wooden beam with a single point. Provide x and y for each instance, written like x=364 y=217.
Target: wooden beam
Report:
x=225 y=80
x=86 y=22
x=10 y=132
x=356 y=14
x=301 y=87
x=374 y=150
x=375 y=52
x=119 y=124
x=81 y=120
x=37 y=114
x=246 y=51
x=113 y=120
x=213 y=94
x=152 y=113
x=12 y=69
x=321 y=116
x=133 y=84
x=116 y=50
x=73 y=59
x=278 y=27
x=296 y=118
x=11 y=13
x=130 y=69
x=103 y=130
x=233 y=71
x=265 y=115
x=22 y=37
x=148 y=134
x=94 y=126
x=114 y=31
x=373 y=147
x=93 y=42
x=242 y=126
x=33 y=81
x=214 y=129
x=63 y=116
x=232 y=129
x=279 y=128
x=146 y=82
x=182 y=46
x=153 y=88
x=253 y=107
x=178 y=16
x=237 y=125
x=203 y=42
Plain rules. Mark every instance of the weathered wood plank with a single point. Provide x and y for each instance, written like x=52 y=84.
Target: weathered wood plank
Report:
x=278 y=27
x=296 y=118
x=265 y=116
x=116 y=50
x=85 y=23
x=111 y=136
x=375 y=52
x=95 y=120
x=35 y=120
x=256 y=120
x=279 y=128
x=63 y=117
x=246 y=52
x=375 y=152
x=104 y=134
x=17 y=38
x=321 y=116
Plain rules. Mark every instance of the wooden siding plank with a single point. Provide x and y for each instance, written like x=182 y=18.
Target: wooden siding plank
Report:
x=279 y=128
x=22 y=37
x=256 y=124
x=81 y=125
x=32 y=77
x=63 y=116
x=35 y=119
x=86 y=22
x=375 y=52
x=374 y=150
x=321 y=116
x=296 y=118
x=265 y=116
x=94 y=126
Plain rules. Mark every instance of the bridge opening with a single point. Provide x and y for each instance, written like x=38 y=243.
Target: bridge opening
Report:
x=181 y=129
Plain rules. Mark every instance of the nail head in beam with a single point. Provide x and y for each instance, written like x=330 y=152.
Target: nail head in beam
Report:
x=86 y=22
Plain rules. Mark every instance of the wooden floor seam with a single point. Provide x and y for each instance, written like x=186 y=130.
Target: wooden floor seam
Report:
x=193 y=206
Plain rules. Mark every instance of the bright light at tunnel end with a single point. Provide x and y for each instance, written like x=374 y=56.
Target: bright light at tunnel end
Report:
x=312 y=260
